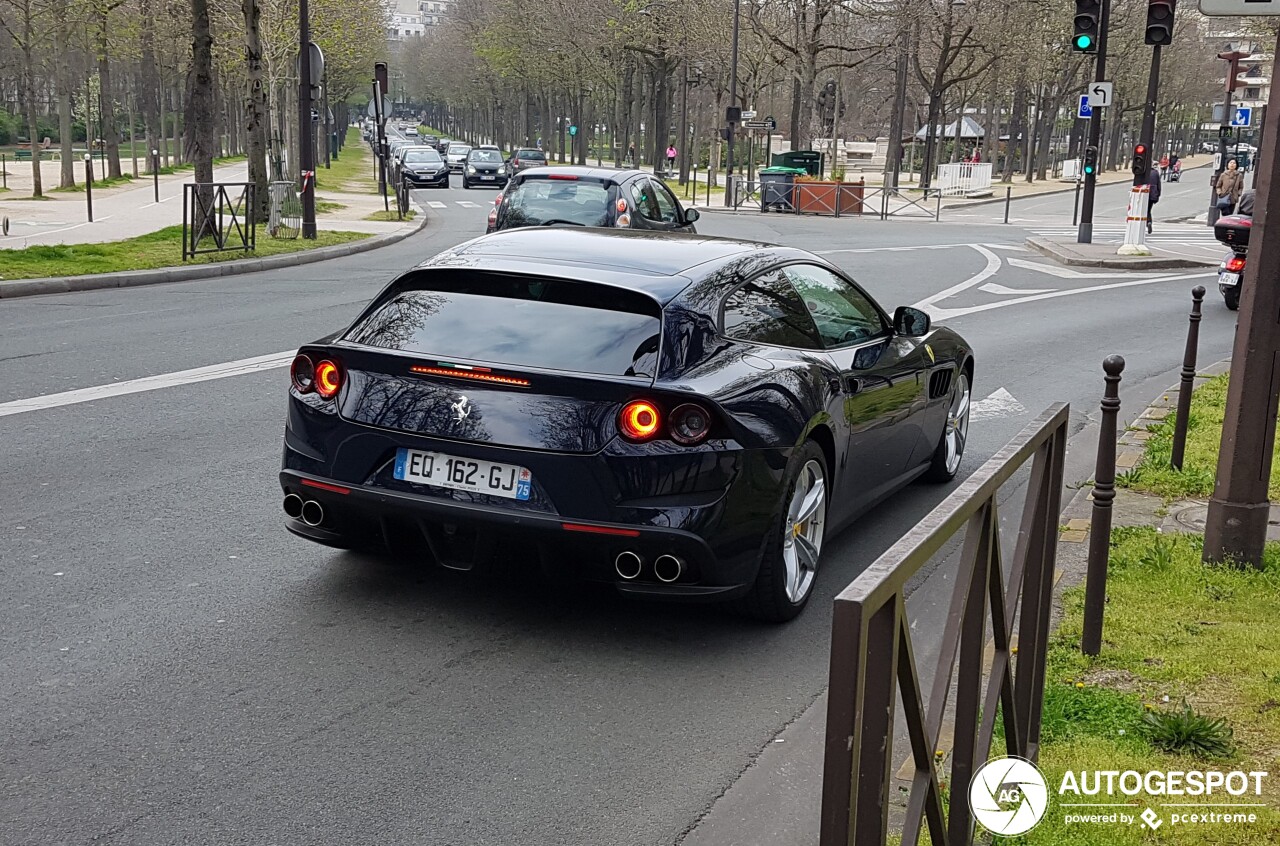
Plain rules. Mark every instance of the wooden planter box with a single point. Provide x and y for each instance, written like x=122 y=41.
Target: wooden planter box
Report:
x=850 y=197
x=816 y=197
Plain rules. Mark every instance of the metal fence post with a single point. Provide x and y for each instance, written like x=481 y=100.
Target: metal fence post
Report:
x=937 y=215
x=1104 y=491
x=4 y=171
x=155 y=172
x=1008 y=196
x=88 y=184
x=1188 y=379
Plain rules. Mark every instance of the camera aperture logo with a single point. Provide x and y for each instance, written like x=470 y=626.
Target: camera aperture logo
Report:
x=1008 y=796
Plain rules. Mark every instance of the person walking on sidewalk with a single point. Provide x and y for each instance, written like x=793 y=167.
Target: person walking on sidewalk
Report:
x=1228 y=187
x=671 y=156
x=1153 y=186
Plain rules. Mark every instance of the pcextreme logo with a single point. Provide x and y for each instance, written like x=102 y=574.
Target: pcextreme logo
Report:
x=1010 y=796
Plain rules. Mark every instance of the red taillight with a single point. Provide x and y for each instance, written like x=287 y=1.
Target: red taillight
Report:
x=639 y=420
x=600 y=530
x=1235 y=264
x=689 y=424
x=328 y=379
x=303 y=373
x=568 y=176
x=621 y=205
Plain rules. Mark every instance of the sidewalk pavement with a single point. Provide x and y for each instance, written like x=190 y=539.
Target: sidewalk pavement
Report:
x=778 y=798
x=130 y=210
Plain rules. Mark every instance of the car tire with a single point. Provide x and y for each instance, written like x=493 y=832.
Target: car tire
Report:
x=788 y=566
x=949 y=452
x=1231 y=297
x=466 y=184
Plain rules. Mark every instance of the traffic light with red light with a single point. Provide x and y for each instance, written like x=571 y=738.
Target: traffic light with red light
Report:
x=1160 y=22
x=1090 y=161
x=1141 y=160
x=1088 y=26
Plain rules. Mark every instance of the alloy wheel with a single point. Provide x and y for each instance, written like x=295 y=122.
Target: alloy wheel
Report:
x=802 y=531
x=957 y=423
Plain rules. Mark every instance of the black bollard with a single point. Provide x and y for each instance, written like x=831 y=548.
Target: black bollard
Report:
x=1104 y=491
x=88 y=183
x=1188 y=379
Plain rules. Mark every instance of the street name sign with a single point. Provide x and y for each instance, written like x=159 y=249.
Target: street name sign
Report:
x=1084 y=110
x=1237 y=8
x=1243 y=116
x=769 y=124
x=1100 y=94
x=749 y=114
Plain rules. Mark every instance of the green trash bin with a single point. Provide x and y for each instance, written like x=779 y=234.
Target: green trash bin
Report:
x=809 y=161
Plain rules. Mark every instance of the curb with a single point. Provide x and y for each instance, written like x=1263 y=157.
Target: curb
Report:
x=1071 y=258
x=160 y=275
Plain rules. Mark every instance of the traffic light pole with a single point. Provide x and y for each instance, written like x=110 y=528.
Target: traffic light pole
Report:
x=1236 y=528
x=1084 y=235
x=1233 y=70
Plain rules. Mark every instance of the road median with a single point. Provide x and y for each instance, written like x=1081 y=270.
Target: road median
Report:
x=359 y=243
x=1104 y=255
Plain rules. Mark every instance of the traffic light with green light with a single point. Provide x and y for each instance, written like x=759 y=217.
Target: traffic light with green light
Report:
x=1088 y=26
x=1090 y=161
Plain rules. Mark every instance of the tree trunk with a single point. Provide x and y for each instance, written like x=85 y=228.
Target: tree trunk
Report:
x=1017 y=123
x=66 y=142
x=29 y=83
x=932 y=131
x=256 y=118
x=200 y=141
x=106 y=97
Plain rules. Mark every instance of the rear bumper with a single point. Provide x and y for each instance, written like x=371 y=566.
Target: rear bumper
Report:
x=469 y=535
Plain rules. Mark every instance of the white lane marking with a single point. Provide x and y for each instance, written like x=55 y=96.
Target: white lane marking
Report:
x=1000 y=403
x=467 y=204
x=894 y=249
x=948 y=313
x=256 y=364
x=993 y=265
x=1065 y=272
x=1012 y=247
x=996 y=288
x=436 y=204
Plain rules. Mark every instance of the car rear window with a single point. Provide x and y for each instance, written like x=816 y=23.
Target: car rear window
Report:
x=534 y=155
x=539 y=202
x=459 y=148
x=519 y=321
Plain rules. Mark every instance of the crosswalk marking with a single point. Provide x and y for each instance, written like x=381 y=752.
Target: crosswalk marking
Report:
x=436 y=204
x=467 y=204
x=1164 y=234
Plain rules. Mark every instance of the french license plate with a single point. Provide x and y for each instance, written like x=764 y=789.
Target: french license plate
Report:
x=490 y=178
x=462 y=474
x=1228 y=278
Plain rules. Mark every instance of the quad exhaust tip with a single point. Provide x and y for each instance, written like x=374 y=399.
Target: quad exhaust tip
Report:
x=312 y=513
x=628 y=564
x=668 y=568
x=293 y=506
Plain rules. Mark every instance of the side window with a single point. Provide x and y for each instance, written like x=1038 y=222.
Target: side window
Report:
x=767 y=310
x=666 y=203
x=843 y=314
x=642 y=198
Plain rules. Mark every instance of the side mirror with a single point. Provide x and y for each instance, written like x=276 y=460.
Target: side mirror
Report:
x=911 y=322
x=690 y=215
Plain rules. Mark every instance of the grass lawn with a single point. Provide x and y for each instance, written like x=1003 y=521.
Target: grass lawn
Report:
x=1174 y=630
x=98 y=182
x=324 y=206
x=391 y=216
x=353 y=171
x=158 y=249
x=1200 y=464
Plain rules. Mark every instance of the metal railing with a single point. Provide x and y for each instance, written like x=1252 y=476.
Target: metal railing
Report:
x=214 y=220
x=963 y=177
x=873 y=658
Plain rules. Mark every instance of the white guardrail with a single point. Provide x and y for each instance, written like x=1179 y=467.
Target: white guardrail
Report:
x=963 y=178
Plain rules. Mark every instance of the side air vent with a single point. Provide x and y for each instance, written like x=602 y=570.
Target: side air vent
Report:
x=940 y=383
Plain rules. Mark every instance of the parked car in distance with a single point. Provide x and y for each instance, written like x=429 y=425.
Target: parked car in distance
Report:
x=484 y=166
x=456 y=155
x=422 y=167
x=587 y=196
x=526 y=157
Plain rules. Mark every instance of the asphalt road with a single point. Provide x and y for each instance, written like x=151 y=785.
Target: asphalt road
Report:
x=177 y=668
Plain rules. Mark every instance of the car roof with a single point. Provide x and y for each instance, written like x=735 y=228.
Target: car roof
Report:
x=655 y=263
x=604 y=174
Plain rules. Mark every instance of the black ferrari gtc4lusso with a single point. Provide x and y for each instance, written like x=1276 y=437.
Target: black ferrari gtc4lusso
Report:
x=686 y=417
